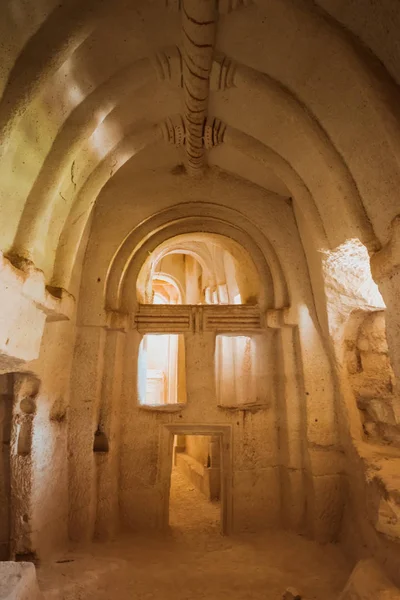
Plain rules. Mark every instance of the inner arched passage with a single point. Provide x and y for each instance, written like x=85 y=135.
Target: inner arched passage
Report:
x=198 y=268
x=192 y=269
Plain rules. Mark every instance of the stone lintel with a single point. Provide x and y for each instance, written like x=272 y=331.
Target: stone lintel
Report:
x=240 y=319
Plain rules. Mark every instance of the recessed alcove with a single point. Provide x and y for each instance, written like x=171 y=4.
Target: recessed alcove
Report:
x=100 y=443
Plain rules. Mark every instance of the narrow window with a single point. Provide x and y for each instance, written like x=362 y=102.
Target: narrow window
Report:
x=161 y=370
x=241 y=366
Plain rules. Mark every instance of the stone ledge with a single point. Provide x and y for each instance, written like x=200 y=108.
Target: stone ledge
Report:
x=26 y=306
x=369 y=582
x=162 y=408
x=18 y=581
x=244 y=407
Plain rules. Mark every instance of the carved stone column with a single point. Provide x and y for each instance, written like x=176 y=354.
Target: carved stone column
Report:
x=311 y=457
x=199 y=20
x=26 y=388
x=291 y=418
x=108 y=426
x=200 y=349
x=84 y=408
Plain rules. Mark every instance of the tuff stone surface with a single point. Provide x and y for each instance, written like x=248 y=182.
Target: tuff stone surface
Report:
x=224 y=174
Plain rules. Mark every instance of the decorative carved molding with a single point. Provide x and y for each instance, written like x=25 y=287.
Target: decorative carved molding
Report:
x=199 y=21
x=276 y=318
x=168 y=65
x=222 y=73
x=152 y=318
x=213 y=133
x=231 y=318
x=386 y=262
x=163 y=319
x=173 y=130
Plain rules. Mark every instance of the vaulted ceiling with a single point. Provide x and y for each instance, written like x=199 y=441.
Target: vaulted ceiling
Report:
x=295 y=96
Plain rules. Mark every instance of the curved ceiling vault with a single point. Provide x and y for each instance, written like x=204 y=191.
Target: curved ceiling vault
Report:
x=286 y=88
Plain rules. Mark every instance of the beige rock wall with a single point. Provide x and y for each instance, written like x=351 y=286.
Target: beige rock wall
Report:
x=297 y=118
x=372 y=380
x=264 y=466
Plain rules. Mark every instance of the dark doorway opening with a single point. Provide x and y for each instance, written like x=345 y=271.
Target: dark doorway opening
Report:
x=6 y=406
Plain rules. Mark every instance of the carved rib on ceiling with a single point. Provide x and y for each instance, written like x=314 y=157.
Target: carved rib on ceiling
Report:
x=199 y=21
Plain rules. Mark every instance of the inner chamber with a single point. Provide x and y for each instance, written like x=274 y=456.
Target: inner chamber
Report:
x=196 y=491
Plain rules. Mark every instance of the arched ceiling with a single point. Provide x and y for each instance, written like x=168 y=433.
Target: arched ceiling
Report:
x=298 y=97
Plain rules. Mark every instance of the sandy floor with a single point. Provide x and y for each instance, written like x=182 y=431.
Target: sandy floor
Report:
x=195 y=562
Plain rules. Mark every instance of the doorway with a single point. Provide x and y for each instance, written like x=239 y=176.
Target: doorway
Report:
x=195 y=491
x=6 y=407
x=196 y=472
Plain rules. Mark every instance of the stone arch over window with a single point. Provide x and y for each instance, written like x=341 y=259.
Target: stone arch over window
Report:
x=206 y=268
x=122 y=292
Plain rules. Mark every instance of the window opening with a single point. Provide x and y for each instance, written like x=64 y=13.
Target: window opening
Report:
x=161 y=370
x=241 y=370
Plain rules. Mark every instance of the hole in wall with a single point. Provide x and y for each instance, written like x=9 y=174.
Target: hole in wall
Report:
x=28 y=405
x=100 y=443
x=24 y=444
x=58 y=411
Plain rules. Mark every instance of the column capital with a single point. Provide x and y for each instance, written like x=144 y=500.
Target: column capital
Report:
x=275 y=318
x=117 y=321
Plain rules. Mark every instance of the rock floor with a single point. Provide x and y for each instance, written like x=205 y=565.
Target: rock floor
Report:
x=194 y=562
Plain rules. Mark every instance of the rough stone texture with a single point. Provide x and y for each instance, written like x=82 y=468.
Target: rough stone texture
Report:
x=18 y=581
x=368 y=582
x=373 y=381
x=291 y=594
x=287 y=113
x=191 y=561
x=26 y=304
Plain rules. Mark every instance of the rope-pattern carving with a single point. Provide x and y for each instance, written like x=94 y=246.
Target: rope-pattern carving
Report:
x=168 y=65
x=213 y=133
x=222 y=73
x=173 y=129
x=199 y=20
